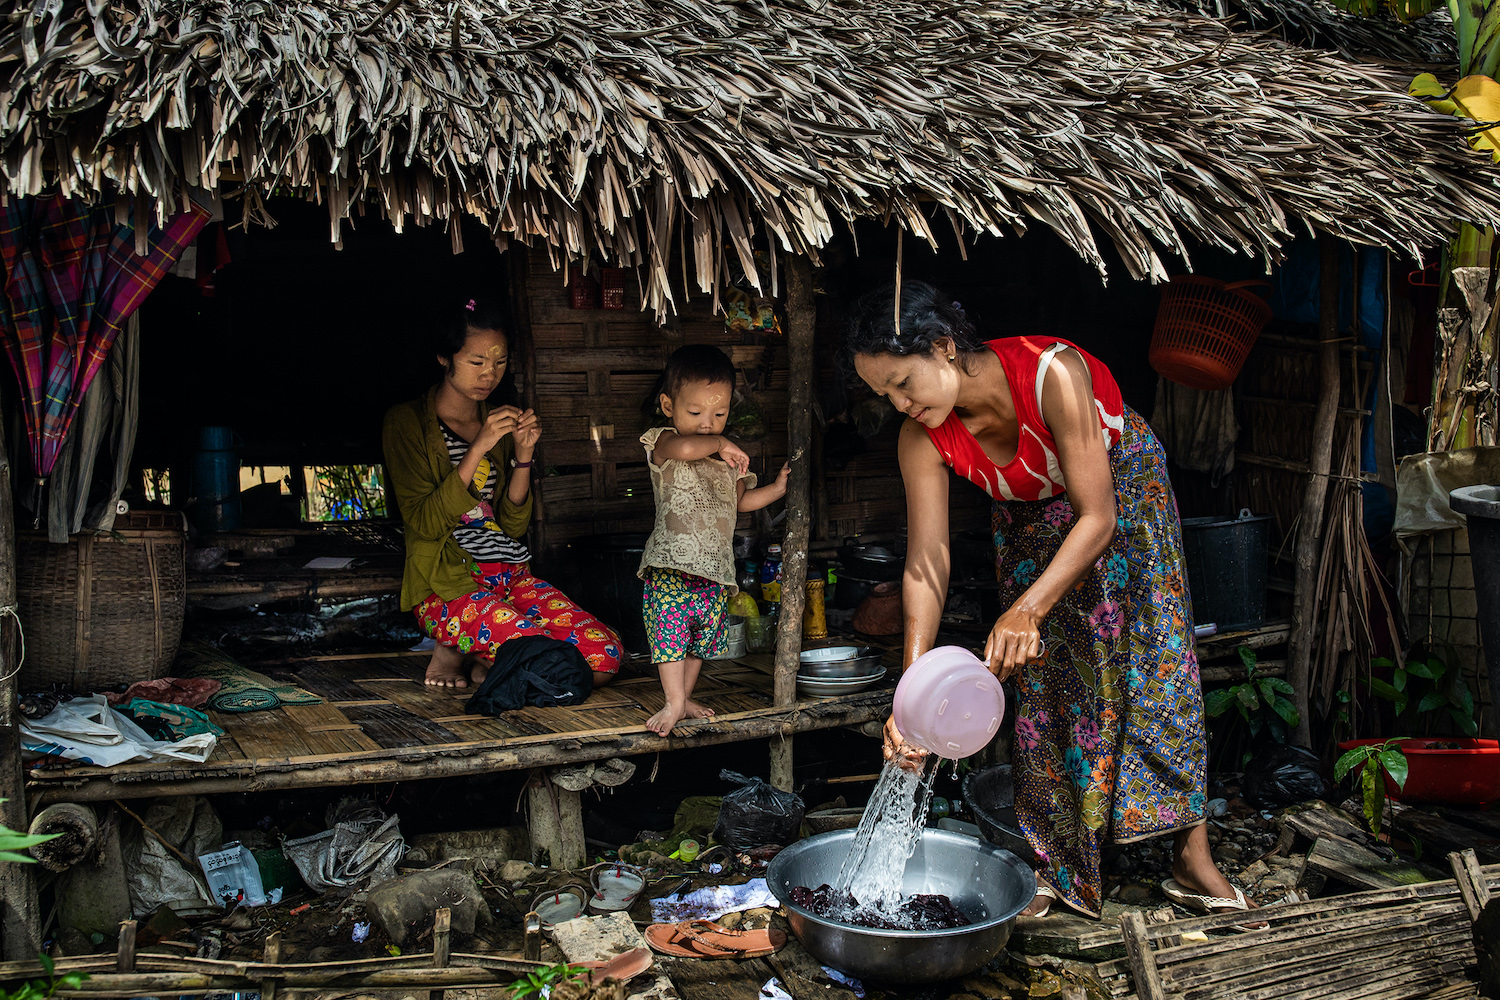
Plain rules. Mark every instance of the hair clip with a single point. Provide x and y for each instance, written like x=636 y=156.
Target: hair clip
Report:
x=958 y=307
x=469 y=305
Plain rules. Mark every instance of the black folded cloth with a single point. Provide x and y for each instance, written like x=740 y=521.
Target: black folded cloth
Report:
x=533 y=670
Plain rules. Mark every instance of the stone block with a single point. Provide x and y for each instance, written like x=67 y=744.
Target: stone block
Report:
x=486 y=848
x=403 y=907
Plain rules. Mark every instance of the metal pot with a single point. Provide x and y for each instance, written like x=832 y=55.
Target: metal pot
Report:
x=991 y=886
x=839 y=662
x=991 y=797
x=870 y=562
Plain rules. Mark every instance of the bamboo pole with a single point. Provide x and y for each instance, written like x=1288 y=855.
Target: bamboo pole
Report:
x=801 y=311
x=20 y=910
x=1310 y=523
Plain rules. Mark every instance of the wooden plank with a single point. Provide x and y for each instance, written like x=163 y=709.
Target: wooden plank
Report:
x=1355 y=865
x=1440 y=835
x=330 y=681
x=1486 y=820
x=393 y=726
x=87 y=783
x=1143 y=969
x=269 y=734
x=1471 y=884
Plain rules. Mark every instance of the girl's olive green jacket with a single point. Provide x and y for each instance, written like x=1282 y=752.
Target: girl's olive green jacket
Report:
x=431 y=498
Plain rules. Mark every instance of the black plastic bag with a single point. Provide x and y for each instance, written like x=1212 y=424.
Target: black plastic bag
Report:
x=757 y=813
x=1283 y=776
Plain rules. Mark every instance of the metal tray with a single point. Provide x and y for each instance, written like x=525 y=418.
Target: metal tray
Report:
x=823 y=687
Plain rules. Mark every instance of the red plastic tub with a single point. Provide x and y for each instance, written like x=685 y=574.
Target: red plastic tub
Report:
x=1469 y=775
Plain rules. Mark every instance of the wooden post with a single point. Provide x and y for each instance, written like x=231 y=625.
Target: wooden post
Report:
x=1310 y=523
x=125 y=951
x=272 y=955
x=20 y=909
x=1471 y=882
x=442 y=937
x=532 y=943
x=1142 y=962
x=556 y=821
x=801 y=312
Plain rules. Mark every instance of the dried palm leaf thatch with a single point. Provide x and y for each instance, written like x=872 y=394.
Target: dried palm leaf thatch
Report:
x=632 y=129
x=1318 y=24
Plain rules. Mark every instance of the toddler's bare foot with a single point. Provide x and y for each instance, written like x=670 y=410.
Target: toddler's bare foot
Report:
x=446 y=668
x=697 y=711
x=662 y=722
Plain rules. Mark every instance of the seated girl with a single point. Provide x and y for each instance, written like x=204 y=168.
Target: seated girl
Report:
x=460 y=473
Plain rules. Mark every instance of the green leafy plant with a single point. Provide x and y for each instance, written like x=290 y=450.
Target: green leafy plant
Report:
x=1262 y=702
x=42 y=989
x=1371 y=759
x=540 y=983
x=1421 y=687
x=14 y=841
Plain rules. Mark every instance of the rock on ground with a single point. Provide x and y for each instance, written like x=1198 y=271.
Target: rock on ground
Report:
x=405 y=905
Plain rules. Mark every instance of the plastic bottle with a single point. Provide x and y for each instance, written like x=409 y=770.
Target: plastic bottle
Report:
x=749 y=578
x=770 y=576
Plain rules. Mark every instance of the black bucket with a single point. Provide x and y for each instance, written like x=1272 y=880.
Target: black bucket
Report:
x=991 y=798
x=1226 y=567
x=599 y=573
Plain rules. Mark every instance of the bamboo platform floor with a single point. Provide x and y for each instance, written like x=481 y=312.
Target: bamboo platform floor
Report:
x=380 y=723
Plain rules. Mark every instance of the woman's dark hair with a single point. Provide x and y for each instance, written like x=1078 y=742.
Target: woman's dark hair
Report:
x=456 y=319
x=926 y=315
x=695 y=363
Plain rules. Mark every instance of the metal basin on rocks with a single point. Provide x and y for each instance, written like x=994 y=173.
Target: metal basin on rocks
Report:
x=990 y=885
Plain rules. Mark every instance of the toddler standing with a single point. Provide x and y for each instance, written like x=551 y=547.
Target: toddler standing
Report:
x=701 y=481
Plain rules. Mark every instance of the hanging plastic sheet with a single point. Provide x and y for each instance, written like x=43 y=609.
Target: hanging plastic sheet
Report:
x=1423 y=483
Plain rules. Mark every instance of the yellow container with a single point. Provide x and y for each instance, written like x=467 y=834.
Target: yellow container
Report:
x=814 y=618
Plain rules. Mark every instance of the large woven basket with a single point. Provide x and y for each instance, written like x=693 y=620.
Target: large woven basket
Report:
x=106 y=608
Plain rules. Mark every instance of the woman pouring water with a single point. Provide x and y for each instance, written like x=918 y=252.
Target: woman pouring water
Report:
x=1098 y=634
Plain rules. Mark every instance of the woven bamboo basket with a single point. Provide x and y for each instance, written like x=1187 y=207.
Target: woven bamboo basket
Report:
x=106 y=608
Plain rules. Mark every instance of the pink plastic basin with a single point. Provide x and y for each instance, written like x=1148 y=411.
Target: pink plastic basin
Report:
x=948 y=703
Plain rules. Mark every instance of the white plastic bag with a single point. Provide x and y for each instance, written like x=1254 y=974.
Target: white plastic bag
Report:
x=89 y=731
x=234 y=877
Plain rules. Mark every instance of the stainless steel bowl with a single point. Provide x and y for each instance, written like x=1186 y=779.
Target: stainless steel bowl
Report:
x=837 y=662
x=991 y=886
x=829 y=687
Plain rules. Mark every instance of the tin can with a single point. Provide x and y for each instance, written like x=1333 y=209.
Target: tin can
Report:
x=814 y=618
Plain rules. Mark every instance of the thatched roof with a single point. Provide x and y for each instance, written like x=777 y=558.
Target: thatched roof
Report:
x=634 y=128
x=1318 y=24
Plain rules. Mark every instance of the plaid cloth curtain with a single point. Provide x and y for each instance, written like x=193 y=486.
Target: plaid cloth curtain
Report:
x=72 y=278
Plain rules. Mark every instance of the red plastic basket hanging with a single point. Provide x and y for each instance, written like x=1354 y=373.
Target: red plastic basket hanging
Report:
x=1205 y=329
x=612 y=284
x=583 y=290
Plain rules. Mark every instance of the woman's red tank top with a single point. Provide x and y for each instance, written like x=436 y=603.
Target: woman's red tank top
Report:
x=1034 y=474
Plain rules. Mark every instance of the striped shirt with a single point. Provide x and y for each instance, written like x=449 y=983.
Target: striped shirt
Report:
x=479 y=533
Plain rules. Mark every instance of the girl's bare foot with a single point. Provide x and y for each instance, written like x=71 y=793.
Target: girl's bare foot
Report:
x=697 y=711
x=662 y=722
x=480 y=670
x=446 y=668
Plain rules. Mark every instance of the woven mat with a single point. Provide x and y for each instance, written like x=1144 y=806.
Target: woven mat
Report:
x=242 y=689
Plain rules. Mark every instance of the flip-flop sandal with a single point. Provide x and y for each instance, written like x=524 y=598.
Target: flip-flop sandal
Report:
x=1199 y=903
x=1043 y=889
x=560 y=905
x=669 y=939
x=742 y=944
x=1174 y=891
x=623 y=967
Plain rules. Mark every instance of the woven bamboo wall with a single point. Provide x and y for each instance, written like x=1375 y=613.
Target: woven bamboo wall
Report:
x=593 y=370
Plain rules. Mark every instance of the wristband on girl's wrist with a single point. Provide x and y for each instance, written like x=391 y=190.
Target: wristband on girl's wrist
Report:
x=520 y=465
